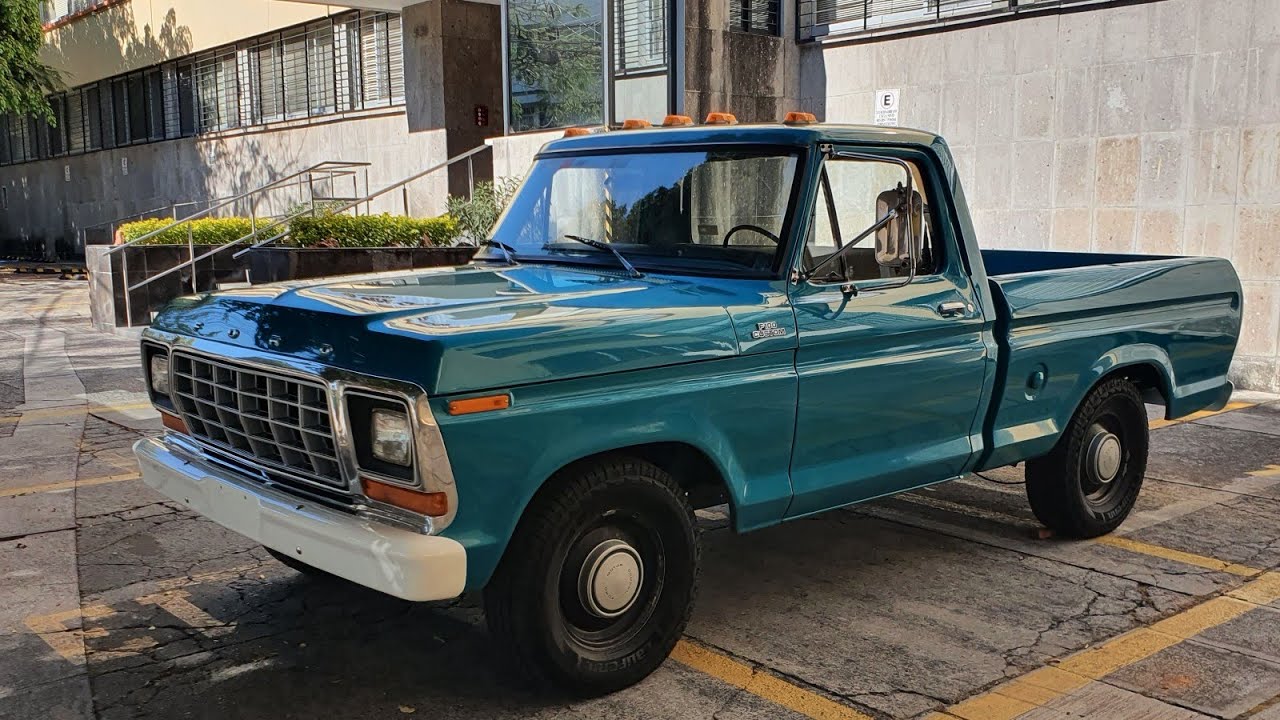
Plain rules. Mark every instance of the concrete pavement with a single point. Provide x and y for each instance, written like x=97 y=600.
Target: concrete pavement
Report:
x=944 y=603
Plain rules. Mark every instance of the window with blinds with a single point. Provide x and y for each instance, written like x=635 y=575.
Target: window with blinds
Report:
x=639 y=36
x=347 y=62
x=817 y=18
x=762 y=17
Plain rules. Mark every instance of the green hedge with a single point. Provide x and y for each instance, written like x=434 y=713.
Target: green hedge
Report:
x=323 y=231
x=371 y=231
x=204 y=231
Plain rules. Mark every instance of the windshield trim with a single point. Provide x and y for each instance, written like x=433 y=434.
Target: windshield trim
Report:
x=649 y=262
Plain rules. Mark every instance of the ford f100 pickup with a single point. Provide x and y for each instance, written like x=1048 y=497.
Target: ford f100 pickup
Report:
x=782 y=318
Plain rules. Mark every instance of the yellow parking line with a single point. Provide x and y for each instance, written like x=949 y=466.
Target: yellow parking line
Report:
x=72 y=410
x=1039 y=687
x=762 y=684
x=1157 y=424
x=69 y=484
x=1138 y=546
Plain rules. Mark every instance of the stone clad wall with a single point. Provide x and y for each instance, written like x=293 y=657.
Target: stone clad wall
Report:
x=1150 y=127
x=52 y=199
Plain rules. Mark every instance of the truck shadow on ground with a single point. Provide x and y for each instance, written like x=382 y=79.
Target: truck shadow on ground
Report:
x=849 y=602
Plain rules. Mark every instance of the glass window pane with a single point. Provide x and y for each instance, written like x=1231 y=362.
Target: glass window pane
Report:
x=137 y=109
x=92 y=118
x=556 y=63
x=186 y=100
x=320 y=68
x=75 y=117
x=295 y=73
x=155 y=105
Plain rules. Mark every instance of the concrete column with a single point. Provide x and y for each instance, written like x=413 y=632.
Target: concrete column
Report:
x=755 y=77
x=453 y=77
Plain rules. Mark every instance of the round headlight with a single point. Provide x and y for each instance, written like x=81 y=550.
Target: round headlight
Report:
x=391 y=440
x=160 y=374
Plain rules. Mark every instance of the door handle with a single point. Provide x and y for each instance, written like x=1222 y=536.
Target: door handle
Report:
x=951 y=309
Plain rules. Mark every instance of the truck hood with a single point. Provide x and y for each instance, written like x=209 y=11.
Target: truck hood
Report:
x=475 y=327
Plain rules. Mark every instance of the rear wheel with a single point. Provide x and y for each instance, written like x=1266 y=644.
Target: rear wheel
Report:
x=1087 y=485
x=598 y=581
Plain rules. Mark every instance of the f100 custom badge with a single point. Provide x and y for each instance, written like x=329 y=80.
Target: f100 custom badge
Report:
x=767 y=330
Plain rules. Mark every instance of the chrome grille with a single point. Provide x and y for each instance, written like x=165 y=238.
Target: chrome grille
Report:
x=277 y=421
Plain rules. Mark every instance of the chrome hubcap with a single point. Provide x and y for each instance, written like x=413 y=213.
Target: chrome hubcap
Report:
x=610 y=580
x=1104 y=456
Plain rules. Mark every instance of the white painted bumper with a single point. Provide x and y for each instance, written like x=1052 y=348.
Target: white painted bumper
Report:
x=394 y=560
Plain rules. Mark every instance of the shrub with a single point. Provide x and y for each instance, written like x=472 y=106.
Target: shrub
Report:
x=204 y=231
x=371 y=231
x=476 y=216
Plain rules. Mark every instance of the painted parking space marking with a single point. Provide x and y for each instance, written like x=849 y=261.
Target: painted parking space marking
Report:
x=1229 y=407
x=1137 y=546
x=761 y=683
x=70 y=410
x=69 y=484
x=67 y=642
x=1039 y=687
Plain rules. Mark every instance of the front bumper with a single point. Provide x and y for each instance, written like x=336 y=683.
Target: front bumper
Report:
x=397 y=561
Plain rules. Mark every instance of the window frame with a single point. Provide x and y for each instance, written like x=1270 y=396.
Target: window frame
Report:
x=923 y=181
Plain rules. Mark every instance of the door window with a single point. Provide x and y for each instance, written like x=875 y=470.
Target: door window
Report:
x=848 y=205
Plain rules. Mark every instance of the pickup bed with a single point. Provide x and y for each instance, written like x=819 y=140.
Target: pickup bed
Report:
x=783 y=318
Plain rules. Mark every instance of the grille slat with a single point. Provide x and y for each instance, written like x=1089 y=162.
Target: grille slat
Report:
x=274 y=420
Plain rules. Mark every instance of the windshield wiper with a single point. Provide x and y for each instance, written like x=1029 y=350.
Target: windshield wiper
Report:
x=606 y=246
x=508 y=252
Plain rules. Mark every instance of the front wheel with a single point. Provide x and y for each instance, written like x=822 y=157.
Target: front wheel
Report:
x=598 y=582
x=1087 y=485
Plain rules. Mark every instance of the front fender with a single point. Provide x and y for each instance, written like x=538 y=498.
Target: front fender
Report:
x=740 y=412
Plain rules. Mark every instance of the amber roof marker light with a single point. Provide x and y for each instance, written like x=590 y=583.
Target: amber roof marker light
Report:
x=720 y=118
x=796 y=117
x=576 y=132
x=677 y=121
x=635 y=124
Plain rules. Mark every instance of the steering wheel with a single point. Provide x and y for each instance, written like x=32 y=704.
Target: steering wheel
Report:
x=747 y=226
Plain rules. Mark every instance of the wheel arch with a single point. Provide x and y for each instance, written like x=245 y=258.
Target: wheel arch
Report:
x=695 y=469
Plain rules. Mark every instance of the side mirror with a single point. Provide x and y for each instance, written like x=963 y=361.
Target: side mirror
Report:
x=898 y=242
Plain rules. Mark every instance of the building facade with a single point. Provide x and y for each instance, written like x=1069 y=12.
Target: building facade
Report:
x=1110 y=125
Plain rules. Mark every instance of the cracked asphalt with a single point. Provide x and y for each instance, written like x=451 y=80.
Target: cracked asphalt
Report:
x=943 y=603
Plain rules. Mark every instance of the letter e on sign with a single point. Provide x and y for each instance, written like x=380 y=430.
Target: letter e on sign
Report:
x=887 y=102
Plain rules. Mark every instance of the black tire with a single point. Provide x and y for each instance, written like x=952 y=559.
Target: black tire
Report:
x=540 y=600
x=1068 y=488
x=295 y=564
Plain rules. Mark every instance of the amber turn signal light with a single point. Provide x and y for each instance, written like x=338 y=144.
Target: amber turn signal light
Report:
x=576 y=132
x=173 y=422
x=720 y=118
x=434 y=504
x=799 y=118
x=635 y=124
x=677 y=121
x=466 y=406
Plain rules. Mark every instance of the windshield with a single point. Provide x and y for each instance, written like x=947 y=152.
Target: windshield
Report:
x=714 y=211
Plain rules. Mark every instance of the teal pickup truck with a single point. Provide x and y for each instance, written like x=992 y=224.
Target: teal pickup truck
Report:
x=786 y=318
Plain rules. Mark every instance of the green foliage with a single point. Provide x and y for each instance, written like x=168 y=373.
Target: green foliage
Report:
x=371 y=231
x=204 y=231
x=477 y=216
x=556 y=58
x=321 y=231
x=24 y=79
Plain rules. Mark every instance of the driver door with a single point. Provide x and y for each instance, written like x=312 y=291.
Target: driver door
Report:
x=890 y=370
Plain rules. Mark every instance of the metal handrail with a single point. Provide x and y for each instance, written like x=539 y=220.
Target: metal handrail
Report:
x=471 y=179
x=328 y=168
x=338 y=168
x=333 y=169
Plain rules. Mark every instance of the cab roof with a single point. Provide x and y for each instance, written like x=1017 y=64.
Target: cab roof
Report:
x=762 y=134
